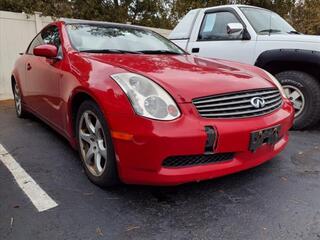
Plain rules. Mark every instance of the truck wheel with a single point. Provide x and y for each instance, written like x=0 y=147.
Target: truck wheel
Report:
x=304 y=92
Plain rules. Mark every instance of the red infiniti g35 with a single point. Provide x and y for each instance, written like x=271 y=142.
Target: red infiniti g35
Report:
x=141 y=110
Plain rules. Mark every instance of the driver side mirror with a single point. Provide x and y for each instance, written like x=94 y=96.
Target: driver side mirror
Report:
x=46 y=50
x=234 y=28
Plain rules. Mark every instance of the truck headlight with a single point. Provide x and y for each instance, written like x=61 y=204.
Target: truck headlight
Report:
x=147 y=98
x=276 y=82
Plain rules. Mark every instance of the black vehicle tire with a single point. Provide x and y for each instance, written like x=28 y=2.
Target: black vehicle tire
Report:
x=20 y=111
x=300 y=83
x=94 y=139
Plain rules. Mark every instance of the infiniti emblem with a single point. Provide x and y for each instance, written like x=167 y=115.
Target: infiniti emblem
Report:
x=258 y=102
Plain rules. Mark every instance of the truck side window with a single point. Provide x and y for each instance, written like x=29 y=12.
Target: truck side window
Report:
x=214 y=27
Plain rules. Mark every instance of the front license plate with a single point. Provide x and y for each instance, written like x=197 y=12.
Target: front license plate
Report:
x=268 y=136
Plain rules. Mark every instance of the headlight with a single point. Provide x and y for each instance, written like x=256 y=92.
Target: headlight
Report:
x=148 y=99
x=276 y=82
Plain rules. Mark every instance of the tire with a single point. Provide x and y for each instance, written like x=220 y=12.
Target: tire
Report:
x=94 y=139
x=20 y=111
x=300 y=83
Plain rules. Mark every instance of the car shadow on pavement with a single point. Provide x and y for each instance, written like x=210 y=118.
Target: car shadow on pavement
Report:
x=190 y=192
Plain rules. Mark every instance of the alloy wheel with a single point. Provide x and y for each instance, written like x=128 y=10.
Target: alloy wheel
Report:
x=92 y=143
x=296 y=97
x=17 y=99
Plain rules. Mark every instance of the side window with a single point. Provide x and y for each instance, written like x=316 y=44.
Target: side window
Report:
x=36 y=42
x=49 y=35
x=214 y=26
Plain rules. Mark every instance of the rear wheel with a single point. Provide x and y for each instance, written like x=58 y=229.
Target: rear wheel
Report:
x=21 y=113
x=95 y=145
x=303 y=90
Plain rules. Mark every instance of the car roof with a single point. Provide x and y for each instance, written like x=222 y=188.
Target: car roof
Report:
x=233 y=6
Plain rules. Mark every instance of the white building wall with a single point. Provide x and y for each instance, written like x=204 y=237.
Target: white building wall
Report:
x=16 y=32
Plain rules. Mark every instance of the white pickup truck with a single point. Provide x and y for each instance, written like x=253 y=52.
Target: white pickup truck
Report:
x=262 y=38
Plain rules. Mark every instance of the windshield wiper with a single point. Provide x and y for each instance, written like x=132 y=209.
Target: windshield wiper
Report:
x=108 y=51
x=294 y=32
x=126 y=51
x=159 y=52
x=270 y=31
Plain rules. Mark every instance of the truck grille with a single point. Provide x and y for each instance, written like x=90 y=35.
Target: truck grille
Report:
x=238 y=105
x=193 y=160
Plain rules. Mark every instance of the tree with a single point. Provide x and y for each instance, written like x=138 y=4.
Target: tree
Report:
x=306 y=17
x=303 y=14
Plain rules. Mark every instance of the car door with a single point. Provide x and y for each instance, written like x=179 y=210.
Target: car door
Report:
x=43 y=78
x=214 y=41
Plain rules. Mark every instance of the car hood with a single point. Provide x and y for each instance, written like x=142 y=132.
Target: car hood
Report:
x=187 y=77
x=290 y=38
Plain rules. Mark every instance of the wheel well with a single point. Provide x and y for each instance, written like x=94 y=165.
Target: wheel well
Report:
x=77 y=100
x=280 y=66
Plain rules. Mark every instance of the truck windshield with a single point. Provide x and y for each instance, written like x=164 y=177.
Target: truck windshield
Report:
x=266 y=22
x=100 y=38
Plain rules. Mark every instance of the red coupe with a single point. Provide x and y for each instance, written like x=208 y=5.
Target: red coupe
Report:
x=141 y=110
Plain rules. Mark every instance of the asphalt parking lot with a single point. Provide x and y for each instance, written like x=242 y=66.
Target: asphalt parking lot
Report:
x=278 y=200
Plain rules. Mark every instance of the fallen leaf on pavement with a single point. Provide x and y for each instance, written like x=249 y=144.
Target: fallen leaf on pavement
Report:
x=88 y=193
x=132 y=228
x=99 y=231
x=11 y=223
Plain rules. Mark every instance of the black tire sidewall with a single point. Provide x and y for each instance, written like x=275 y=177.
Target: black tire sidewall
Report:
x=308 y=87
x=306 y=93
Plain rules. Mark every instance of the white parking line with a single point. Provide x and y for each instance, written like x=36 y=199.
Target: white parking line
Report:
x=40 y=199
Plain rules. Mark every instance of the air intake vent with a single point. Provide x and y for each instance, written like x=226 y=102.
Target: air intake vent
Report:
x=239 y=104
x=193 y=160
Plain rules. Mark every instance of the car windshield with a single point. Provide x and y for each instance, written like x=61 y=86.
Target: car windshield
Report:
x=99 y=38
x=266 y=22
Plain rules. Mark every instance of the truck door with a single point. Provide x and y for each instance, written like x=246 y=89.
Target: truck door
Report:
x=214 y=41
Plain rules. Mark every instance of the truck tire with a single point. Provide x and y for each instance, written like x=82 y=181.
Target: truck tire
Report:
x=304 y=92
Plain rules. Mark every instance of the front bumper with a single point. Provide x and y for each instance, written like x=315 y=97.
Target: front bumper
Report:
x=140 y=158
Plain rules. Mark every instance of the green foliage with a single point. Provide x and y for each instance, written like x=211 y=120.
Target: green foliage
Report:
x=304 y=15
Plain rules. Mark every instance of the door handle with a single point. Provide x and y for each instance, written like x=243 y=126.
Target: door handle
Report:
x=29 y=67
x=195 y=50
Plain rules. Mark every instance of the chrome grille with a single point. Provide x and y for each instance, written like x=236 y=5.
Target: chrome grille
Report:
x=238 y=105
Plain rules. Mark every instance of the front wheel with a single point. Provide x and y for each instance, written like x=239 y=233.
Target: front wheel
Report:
x=303 y=90
x=95 y=145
